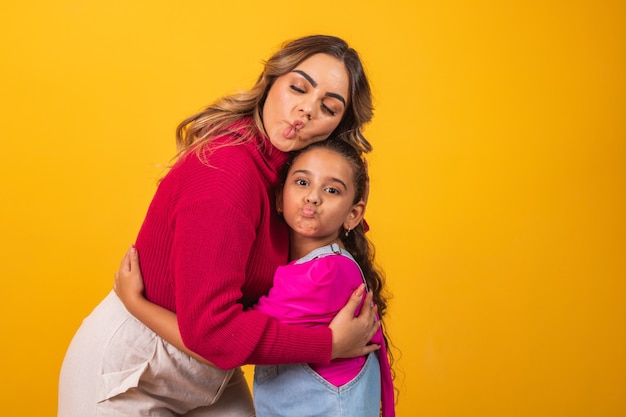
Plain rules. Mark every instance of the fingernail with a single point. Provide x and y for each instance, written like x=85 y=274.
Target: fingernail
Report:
x=359 y=291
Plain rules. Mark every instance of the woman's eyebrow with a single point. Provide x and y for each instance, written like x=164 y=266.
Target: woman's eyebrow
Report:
x=338 y=97
x=314 y=84
x=307 y=76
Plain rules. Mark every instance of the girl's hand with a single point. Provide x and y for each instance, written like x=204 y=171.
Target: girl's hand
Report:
x=352 y=335
x=128 y=283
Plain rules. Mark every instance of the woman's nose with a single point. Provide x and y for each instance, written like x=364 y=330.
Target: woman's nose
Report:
x=306 y=109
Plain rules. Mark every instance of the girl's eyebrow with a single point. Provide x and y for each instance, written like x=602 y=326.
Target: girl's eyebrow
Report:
x=332 y=179
x=314 y=84
x=337 y=180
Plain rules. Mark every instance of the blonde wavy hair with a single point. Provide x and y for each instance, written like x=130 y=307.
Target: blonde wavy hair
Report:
x=198 y=130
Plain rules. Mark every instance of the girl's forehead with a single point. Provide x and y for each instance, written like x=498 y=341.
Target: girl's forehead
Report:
x=321 y=160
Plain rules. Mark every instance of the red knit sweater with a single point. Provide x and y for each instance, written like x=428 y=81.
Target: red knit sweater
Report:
x=209 y=247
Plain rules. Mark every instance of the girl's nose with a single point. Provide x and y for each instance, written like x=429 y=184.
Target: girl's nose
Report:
x=312 y=198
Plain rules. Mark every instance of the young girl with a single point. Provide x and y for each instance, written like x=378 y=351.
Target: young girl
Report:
x=322 y=202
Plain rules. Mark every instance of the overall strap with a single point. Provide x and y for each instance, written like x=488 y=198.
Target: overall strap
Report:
x=332 y=249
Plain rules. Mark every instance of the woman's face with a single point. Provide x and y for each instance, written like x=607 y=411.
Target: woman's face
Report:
x=305 y=105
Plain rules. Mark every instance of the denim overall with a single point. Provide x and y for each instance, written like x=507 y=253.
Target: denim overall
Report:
x=297 y=390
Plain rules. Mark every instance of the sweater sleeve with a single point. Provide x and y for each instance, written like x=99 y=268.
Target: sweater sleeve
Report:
x=214 y=233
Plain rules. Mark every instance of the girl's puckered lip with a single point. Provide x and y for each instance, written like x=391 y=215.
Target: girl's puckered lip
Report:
x=308 y=210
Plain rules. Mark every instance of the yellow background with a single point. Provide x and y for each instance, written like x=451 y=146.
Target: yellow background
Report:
x=498 y=203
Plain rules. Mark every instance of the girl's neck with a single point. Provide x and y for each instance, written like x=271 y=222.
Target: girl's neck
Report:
x=300 y=246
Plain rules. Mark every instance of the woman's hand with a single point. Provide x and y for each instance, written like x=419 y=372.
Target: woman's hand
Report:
x=352 y=334
x=128 y=284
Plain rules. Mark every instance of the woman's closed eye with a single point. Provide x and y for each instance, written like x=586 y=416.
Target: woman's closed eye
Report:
x=323 y=106
x=328 y=110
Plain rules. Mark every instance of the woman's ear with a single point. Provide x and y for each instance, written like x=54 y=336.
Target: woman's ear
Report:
x=355 y=215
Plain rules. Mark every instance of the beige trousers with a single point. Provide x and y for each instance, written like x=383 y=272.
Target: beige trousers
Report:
x=116 y=366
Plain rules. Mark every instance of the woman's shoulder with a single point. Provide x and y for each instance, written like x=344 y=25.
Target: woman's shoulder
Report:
x=221 y=158
x=227 y=176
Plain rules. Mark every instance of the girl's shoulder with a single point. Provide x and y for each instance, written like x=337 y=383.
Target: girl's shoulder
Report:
x=324 y=264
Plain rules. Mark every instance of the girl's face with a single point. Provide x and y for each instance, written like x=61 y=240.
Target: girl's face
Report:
x=317 y=198
x=305 y=105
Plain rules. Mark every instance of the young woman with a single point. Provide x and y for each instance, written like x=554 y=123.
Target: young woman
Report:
x=322 y=202
x=210 y=244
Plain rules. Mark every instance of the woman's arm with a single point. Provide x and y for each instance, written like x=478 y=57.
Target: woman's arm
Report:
x=351 y=335
x=129 y=288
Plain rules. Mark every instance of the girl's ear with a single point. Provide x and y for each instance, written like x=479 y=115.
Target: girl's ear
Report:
x=355 y=215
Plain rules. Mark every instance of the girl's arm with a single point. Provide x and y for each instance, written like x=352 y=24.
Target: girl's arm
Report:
x=129 y=288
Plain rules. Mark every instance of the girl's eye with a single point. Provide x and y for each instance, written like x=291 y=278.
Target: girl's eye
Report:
x=302 y=182
x=332 y=190
x=296 y=88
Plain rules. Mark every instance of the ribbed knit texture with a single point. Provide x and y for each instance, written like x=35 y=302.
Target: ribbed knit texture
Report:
x=210 y=244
